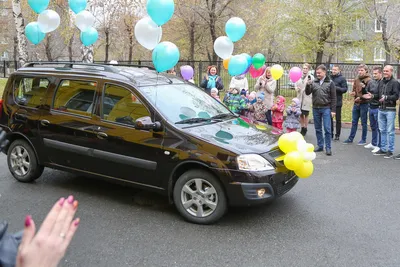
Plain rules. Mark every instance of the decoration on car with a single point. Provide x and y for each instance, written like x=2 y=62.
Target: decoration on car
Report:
x=298 y=154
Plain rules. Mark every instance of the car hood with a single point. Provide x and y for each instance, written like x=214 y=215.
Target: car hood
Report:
x=237 y=135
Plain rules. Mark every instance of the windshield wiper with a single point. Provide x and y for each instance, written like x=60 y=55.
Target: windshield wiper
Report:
x=193 y=120
x=223 y=116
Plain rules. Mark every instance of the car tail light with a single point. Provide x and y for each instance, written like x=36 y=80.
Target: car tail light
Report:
x=1 y=107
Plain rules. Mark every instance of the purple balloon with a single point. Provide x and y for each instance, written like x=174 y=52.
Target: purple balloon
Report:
x=187 y=72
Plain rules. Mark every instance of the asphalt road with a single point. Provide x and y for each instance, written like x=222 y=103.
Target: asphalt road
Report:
x=346 y=214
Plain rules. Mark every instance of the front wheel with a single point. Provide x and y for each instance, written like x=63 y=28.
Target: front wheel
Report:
x=22 y=162
x=199 y=197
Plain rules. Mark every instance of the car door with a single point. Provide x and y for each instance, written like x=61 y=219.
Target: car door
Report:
x=122 y=151
x=66 y=124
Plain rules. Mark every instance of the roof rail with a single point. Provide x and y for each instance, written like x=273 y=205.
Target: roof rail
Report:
x=68 y=64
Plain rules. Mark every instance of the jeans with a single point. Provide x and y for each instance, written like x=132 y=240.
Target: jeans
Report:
x=373 y=121
x=269 y=117
x=387 y=120
x=322 y=116
x=338 y=122
x=359 y=111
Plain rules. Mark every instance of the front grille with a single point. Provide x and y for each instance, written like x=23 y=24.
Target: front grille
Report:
x=283 y=187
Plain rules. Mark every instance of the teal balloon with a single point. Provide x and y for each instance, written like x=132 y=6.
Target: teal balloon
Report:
x=39 y=5
x=160 y=11
x=248 y=58
x=235 y=29
x=33 y=33
x=237 y=65
x=77 y=5
x=89 y=37
x=165 y=56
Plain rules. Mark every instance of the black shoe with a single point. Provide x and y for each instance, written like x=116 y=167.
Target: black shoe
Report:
x=380 y=153
x=329 y=152
x=319 y=149
x=397 y=157
x=388 y=155
x=336 y=138
x=303 y=131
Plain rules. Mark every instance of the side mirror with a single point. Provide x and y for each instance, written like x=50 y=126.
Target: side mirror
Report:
x=145 y=123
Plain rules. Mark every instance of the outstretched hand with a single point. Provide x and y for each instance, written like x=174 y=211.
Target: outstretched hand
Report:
x=49 y=245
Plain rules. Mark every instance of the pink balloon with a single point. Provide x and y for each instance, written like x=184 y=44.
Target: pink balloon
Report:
x=257 y=73
x=187 y=72
x=295 y=74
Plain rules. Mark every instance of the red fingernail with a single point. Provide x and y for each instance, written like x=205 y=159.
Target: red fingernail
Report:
x=75 y=204
x=61 y=201
x=70 y=199
x=76 y=223
x=28 y=220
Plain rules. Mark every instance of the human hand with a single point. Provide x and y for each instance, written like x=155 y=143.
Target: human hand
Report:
x=362 y=85
x=49 y=245
x=382 y=98
x=352 y=93
x=333 y=114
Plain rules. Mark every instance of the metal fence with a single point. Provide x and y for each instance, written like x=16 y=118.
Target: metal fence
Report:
x=284 y=86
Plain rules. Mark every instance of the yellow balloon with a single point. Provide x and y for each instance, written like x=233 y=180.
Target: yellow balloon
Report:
x=284 y=142
x=298 y=136
x=306 y=171
x=310 y=147
x=226 y=63
x=261 y=127
x=276 y=71
x=293 y=161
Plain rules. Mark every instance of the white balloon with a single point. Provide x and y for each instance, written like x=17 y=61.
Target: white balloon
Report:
x=310 y=156
x=84 y=20
x=48 y=21
x=147 y=33
x=301 y=146
x=223 y=47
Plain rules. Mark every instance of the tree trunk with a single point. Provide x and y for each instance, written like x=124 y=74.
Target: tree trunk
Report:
x=87 y=54
x=325 y=32
x=107 y=32
x=385 y=40
x=131 y=43
x=15 y=56
x=20 y=28
x=70 y=47
x=192 y=39
x=47 y=48
x=213 y=31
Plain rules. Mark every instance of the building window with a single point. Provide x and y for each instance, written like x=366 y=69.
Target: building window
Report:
x=378 y=25
x=355 y=54
x=360 y=25
x=379 y=54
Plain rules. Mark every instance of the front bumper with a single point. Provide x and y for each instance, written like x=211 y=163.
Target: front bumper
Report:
x=246 y=193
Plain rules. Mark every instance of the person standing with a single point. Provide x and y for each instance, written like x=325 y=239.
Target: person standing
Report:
x=341 y=88
x=388 y=95
x=373 y=94
x=305 y=100
x=324 y=106
x=212 y=80
x=239 y=82
x=265 y=84
x=360 y=108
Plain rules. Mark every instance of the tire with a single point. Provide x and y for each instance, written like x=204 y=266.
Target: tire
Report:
x=22 y=162
x=213 y=204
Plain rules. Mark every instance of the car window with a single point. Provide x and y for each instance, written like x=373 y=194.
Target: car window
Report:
x=75 y=97
x=29 y=91
x=121 y=105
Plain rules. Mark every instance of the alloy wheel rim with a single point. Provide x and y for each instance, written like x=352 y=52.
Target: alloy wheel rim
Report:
x=20 y=161
x=199 y=198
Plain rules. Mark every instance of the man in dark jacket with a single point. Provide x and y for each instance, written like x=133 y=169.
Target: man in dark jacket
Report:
x=373 y=92
x=324 y=107
x=388 y=95
x=360 y=108
x=341 y=88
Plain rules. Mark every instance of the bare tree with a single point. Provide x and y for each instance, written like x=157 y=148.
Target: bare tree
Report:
x=20 y=28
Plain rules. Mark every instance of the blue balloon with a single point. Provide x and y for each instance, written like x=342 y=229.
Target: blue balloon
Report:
x=235 y=28
x=77 y=5
x=38 y=5
x=33 y=33
x=237 y=65
x=89 y=37
x=160 y=11
x=165 y=56
x=249 y=59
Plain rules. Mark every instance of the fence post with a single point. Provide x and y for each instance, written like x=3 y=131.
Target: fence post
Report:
x=4 y=66
x=200 y=71
x=139 y=62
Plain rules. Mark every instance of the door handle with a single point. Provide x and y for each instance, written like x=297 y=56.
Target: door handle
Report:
x=22 y=117
x=44 y=122
x=102 y=135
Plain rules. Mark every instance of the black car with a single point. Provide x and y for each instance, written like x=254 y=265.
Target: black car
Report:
x=142 y=128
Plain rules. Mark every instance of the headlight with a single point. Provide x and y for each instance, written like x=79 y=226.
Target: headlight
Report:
x=253 y=162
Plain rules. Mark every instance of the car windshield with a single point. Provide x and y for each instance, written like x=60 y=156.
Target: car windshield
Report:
x=180 y=102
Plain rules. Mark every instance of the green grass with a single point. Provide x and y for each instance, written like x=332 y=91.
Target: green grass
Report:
x=2 y=85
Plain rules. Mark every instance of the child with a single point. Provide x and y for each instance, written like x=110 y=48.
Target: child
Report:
x=259 y=109
x=250 y=101
x=234 y=101
x=277 y=112
x=214 y=93
x=293 y=113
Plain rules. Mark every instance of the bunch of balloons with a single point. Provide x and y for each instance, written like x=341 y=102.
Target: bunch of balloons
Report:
x=48 y=21
x=148 y=33
x=84 y=20
x=298 y=154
